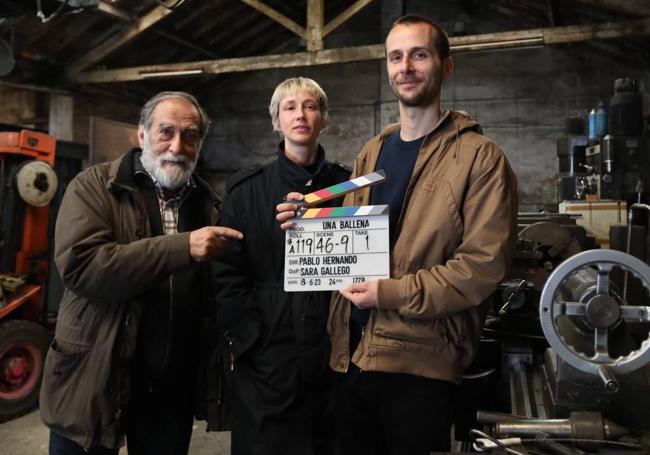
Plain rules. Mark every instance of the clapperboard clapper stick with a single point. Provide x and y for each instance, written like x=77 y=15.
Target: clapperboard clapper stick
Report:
x=341 y=189
x=331 y=247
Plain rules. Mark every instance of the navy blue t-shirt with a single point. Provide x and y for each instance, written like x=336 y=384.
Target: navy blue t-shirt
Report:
x=397 y=158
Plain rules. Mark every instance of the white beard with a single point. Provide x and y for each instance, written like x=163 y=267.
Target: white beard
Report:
x=169 y=176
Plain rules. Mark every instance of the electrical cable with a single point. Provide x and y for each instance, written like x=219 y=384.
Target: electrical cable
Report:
x=627 y=445
x=585 y=441
x=495 y=441
x=514 y=334
x=479 y=375
x=57 y=11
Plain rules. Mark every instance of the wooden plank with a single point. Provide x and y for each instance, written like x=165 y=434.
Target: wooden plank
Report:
x=315 y=20
x=234 y=65
x=609 y=30
x=489 y=41
x=276 y=16
x=114 y=12
x=108 y=46
x=344 y=16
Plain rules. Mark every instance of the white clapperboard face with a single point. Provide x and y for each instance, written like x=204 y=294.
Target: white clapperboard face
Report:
x=328 y=248
x=328 y=252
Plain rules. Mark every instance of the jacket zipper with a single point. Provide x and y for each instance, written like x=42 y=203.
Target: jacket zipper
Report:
x=228 y=336
x=409 y=189
x=360 y=345
x=363 y=333
x=168 y=342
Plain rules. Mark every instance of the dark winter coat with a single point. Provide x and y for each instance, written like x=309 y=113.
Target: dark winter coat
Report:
x=279 y=344
x=116 y=267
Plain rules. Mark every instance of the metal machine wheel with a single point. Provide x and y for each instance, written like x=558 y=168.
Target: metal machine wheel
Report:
x=601 y=309
x=23 y=345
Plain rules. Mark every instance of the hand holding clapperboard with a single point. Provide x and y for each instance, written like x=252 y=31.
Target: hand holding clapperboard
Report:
x=329 y=248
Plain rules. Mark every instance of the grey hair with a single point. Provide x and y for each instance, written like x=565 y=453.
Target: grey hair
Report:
x=146 y=114
x=295 y=85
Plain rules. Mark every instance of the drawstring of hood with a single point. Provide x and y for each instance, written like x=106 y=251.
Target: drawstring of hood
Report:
x=457 y=149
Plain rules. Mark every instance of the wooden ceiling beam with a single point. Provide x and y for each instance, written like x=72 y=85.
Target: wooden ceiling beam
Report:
x=471 y=43
x=344 y=16
x=234 y=65
x=315 y=23
x=114 y=12
x=108 y=46
x=277 y=17
x=316 y=29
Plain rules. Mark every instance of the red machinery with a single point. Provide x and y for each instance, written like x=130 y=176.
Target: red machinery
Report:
x=27 y=185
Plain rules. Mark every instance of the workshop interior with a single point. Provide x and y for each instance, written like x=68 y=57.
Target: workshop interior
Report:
x=564 y=360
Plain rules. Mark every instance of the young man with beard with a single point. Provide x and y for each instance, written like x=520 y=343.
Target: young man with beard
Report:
x=278 y=342
x=133 y=244
x=400 y=345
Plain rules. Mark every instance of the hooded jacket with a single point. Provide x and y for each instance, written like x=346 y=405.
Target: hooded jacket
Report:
x=114 y=266
x=454 y=243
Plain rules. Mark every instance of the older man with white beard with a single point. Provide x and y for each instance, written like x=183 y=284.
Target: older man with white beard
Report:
x=133 y=244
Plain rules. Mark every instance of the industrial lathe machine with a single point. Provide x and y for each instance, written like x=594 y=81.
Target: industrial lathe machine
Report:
x=564 y=363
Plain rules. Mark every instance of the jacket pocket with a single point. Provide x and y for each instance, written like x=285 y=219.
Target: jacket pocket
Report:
x=452 y=206
x=411 y=334
x=62 y=398
x=65 y=358
x=454 y=327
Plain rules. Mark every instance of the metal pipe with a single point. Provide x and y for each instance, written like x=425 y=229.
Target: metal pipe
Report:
x=581 y=425
x=610 y=381
x=639 y=190
x=487 y=417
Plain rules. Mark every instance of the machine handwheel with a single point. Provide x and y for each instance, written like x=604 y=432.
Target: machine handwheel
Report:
x=23 y=345
x=601 y=310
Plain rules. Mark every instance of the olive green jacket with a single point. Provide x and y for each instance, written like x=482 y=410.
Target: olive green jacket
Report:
x=109 y=263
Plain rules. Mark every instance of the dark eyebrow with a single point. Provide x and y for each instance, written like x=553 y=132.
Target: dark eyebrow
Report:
x=163 y=125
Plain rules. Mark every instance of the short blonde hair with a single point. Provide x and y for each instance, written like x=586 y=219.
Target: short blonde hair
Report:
x=292 y=86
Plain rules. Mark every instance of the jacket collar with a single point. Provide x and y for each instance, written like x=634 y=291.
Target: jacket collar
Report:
x=299 y=176
x=449 y=120
x=122 y=171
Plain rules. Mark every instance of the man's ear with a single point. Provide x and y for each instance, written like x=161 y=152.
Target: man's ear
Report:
x=447 y=68
x=141 y=136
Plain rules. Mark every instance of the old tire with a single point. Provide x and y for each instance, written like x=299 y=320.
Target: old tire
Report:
x=23 y=345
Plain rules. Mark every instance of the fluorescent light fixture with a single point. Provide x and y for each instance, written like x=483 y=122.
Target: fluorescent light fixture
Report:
x=171 y=73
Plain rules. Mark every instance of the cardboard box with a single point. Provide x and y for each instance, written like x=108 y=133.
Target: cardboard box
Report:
x=597 y=216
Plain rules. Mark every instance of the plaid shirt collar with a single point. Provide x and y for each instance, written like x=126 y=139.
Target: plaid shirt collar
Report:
x=168 y=206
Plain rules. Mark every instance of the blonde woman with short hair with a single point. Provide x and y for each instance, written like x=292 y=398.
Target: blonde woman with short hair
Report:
x=278 y=341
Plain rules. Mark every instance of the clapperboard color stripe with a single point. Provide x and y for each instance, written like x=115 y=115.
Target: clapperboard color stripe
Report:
x=339 y=212
x=343 y=188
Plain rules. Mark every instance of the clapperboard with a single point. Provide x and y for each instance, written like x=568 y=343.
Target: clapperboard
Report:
x=331 y=247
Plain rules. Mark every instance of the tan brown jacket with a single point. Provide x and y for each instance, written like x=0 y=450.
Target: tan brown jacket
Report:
x=455 y=240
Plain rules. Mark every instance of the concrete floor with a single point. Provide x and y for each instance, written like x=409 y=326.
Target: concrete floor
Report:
x=28 y=436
